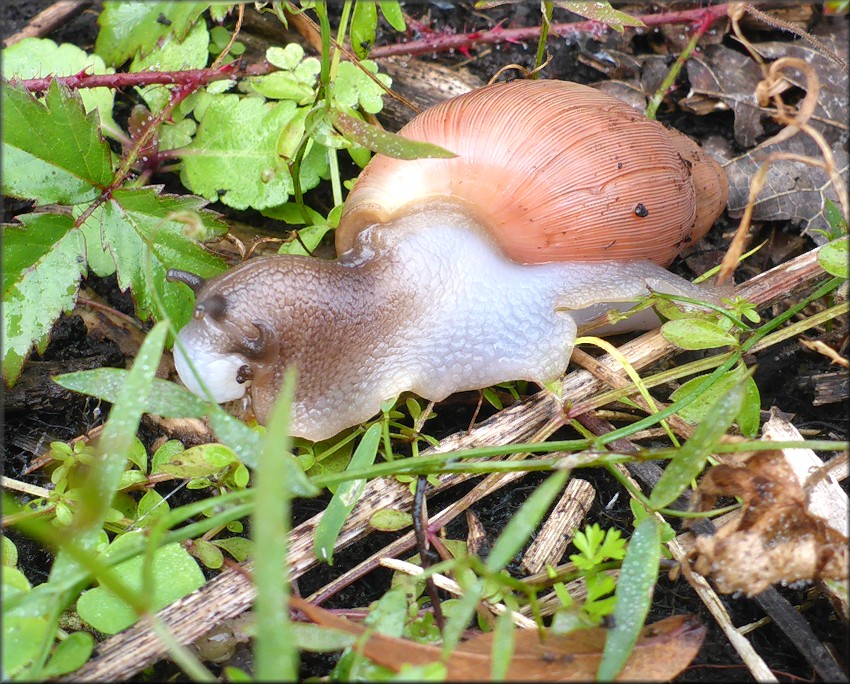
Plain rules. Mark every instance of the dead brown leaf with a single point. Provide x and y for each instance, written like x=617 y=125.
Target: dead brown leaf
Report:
x=663 y=650
x=776 y=539
x=722 y=78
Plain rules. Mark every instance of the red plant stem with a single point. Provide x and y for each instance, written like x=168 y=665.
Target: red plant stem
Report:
x=194 y=78
x=439 y=42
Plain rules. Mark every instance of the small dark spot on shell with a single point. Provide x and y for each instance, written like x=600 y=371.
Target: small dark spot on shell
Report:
x=619 y=165
x=641 y=211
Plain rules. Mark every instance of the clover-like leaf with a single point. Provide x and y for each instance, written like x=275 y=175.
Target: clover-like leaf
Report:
x=174 y=573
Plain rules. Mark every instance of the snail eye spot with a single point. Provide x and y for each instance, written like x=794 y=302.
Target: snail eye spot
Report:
x=244 y=374
x=214 y=306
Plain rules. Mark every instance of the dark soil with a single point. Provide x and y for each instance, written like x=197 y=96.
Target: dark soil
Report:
x=38 y=412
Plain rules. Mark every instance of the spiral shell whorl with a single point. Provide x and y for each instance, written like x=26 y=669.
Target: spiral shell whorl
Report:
x=557 y=171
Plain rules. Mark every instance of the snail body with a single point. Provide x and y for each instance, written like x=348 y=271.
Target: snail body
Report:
x=459 y=274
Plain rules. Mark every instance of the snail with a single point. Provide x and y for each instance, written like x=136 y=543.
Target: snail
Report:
x=457 y=274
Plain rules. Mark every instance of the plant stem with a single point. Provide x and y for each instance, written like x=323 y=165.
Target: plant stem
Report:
x=440 y=42
x=673 y=74
x=548 y=7
x=188 y=77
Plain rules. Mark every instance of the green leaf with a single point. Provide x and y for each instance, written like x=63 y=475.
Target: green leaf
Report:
x=691 y=456
x=352 y=88
x=502 y=649
x=364 y=23
x=317 y=639
x=52 y=150
x=833 y=258
x=274 y=651
x=40 y=57
x=602 y=12
x=389 y=520
x=392 y=13
x=389 y=144
x=209 y=554
x=22 y=638
x=285 y=57
x=347 y=494
x=42 y=265
x=695 y=412
x=138 y=222
x=634 y=596
x=523 y=523
x=127 y=28
x=174 y=575
x=234 y=158
x=9 y=552
x=165 y=398
x=69 y=655
x=697 y=333
x=238 y=547
x=118 y=434
x=834 y=217
x=171 y=54
x=200 y=461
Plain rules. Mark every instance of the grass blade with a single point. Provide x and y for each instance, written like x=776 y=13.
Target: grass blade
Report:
x=634 y=595
x=347 y=494
x=276 y=658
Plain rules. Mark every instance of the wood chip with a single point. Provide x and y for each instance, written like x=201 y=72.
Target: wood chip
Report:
x=559 y=529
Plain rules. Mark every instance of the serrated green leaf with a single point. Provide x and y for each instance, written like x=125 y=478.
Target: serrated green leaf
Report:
x=346 y=495
x=696 y=333
x=833 y=258
x=172 y=54
x=364 y=23
x=691 y=456
x=128 y=28
x=164 y=399
x=42 y=265
x=40 y=57
x=602 y=12
x=174 y=573
x=233 y=157
x=52 y=150
x=393 y=14
x=634 y=596
x=383 y=142
x=138 y=222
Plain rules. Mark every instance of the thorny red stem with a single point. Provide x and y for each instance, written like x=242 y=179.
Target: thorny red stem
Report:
x=439 y=42
x=191 y=78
